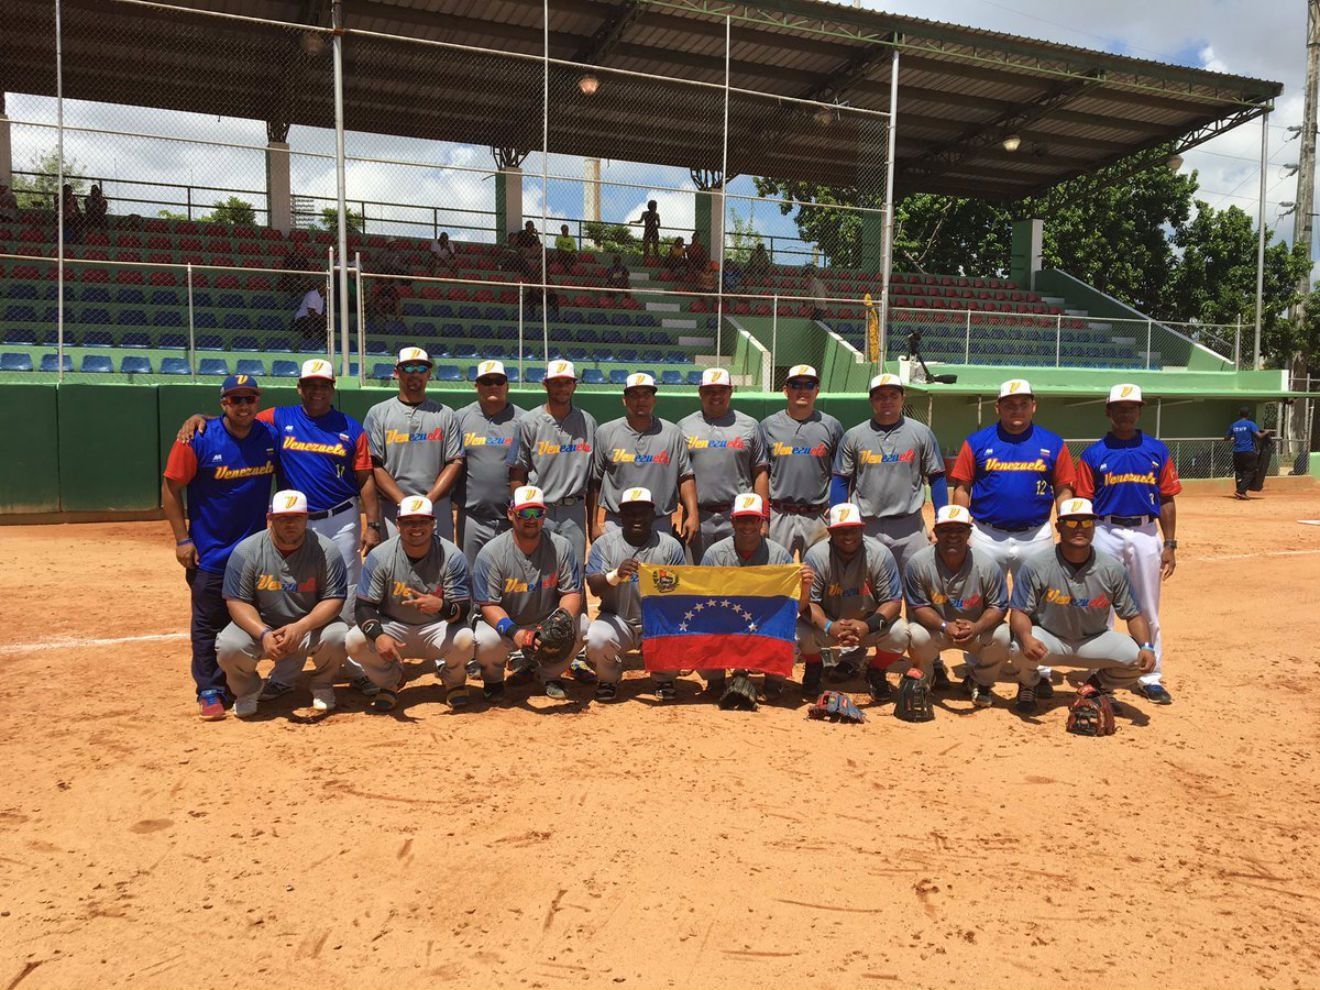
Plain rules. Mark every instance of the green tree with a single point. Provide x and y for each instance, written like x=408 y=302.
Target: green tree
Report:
x=743 y=237
x=41 y=190
x=611 y=238
x=233 y=211
x=354 y=221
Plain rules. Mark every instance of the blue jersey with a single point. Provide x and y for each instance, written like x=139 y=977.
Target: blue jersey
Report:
x=1244 y=433
x=318 y=457
x=228 y=483
x=1127 y=477
x=1013 y=477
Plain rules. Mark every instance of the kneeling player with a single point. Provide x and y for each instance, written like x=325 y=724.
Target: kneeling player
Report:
x=612 y=576
x=411 y=603
x=957 y=600
x=855 y=599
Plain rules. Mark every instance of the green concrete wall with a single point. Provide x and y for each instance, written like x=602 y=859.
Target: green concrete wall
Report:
x=29 y=449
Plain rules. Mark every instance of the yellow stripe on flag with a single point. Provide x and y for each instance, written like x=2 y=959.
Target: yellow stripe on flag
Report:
x=761 y=582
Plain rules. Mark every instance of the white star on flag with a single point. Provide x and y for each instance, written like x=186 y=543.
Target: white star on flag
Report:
x=682 y=627
x=751 y=627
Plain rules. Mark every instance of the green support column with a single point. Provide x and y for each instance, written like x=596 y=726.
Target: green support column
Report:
x=702 y=214
x=1025 y=252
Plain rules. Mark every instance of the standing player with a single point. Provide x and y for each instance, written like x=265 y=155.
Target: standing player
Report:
x=801 y=443
x=727 y=453
x=1130 y=479
x=640 y=450
x=1010 y=474
x=1245 y=435
x=612 y=577
x=553 y=452
x=285 y=590
x=413 y=601
x=520 y=577
x=489 y=428
x=957 y=600
x=415 y=448
x=856 y=595
x=227 y=471
x=1060 y=609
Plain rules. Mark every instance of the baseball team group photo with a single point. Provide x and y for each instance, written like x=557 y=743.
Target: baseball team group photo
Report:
x=658 y=494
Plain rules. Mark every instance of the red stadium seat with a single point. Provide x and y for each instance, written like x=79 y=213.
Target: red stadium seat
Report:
x=271 y=234
x=100 y=276
x=258 y=283
x=128 y=276
x=228 y=280
x=124 y=254
x=156 y=226
x=162 y=278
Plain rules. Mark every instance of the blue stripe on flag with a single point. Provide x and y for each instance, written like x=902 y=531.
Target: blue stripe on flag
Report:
x=678 y=615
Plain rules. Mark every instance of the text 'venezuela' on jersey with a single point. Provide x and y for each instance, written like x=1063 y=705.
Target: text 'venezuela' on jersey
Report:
x=1127 y=477
x=801 y=454
x=1013 y=476
x=317 y=456
x=228 y=483
x=556 y=454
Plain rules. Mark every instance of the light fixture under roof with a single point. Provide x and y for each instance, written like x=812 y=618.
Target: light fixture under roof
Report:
x=588 y=84
x=1012 y=142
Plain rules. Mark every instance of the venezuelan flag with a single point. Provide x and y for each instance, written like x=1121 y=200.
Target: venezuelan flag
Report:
x=720 y=617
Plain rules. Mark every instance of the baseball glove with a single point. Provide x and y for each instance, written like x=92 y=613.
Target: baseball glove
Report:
x=1091 y=713
x=554 y=639
x=740 y=694
x=835 y=706
x=913 y=704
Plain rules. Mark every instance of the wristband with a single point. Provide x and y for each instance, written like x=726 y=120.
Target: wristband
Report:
x=506 y=627
x=183 y=542
x=372 y=629
x=944 y=628
x=612 y=578
x=1148 y=646
x=828 y=623
x=878 y=623
x=453 y=610
x=262 y=635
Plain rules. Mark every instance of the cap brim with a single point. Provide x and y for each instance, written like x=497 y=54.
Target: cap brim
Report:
x=953 y=522
x=845 y=525
x=529 y=505
x=244 y=389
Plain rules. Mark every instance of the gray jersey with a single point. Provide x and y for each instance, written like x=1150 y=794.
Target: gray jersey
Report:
x=611 y=550
x=801 y=456
x=656 y=458
x=528 y=588
x=725 y=454
x=489 y=446
x=723 y=554
x=853 y=589
x=284 y=589
x=886 y=467
x=412 y=443
x=962 y=594
x=389 y=575
x=556 y=454
x=1072 y=602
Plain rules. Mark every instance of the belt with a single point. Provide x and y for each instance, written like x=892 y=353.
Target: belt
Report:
x=334 y=510
x=715 y=506
x=797 y=508
x=570 y=500
x=905 y=515
x=1128 y=521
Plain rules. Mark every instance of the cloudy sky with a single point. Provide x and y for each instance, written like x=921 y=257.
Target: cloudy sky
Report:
x=1265 y=38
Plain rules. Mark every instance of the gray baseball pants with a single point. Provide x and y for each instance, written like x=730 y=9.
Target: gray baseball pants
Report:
x=797 y=533
x=238 y=655
x=608 y=639
x=903 y=535
x=448 y=645
x=474 y=532
x=493 y=652
x=570 y=522
x=1112 y=654
x=985 y=654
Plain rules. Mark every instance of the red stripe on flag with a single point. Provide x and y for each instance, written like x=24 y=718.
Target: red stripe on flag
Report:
x=716 y=652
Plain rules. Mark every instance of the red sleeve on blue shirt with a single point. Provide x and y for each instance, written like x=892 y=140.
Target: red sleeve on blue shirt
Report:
x=1064 y=472
x=1170 y=484
x=1085 y=486
x=964 y=468
x=362 y=454
x=267 y=415
x=182 y=463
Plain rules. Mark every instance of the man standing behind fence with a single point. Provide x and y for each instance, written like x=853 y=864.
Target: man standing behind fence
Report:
x=1245 y=435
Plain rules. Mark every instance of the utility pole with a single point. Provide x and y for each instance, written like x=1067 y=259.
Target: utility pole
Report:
x=1304 y=218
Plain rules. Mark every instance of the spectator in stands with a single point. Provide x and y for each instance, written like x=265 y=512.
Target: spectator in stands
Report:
x=758 y=265
x=532 y=296
x=309 y=321
x=389 y=291
x=707 y=277
x=617 y=276
x=816 y=290
x=650 y=221
x=73 y=217
x=733 y=275
x=8 y=205
x=675 y=262
x=697 y=257
x=95 y=208
x=528 y=243
x=444 y=259
x=566 y=248
x=512 y=260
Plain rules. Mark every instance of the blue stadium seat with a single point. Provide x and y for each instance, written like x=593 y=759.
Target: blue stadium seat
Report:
x=51 y=362
x=480 y=330
x=97 y=338
x=172 y=341
x=377 y=346
x=472 y=373
x=382 y=371
x=594 y=376
x=21 y=338
x=453 y=331
x=97 y=364
x=165 y=297
x=618 y=376
x=21 y=314
x=135 y=364
x=244 y=342
x=493 y=351
x=442 y=310
x=213 y=366
x=231 y=300
x=15 y=361
x=512 y=372
x=448 y=373
x=270 y=323
x=93 y=317
x=310 y=346
x=597 y=319
x=206 y=321
x=626 y=354
x=411 y=308
x=135 y=339
x=576 y=353
x=174 y=366
x=277 y=343
x=651 y=356
x=202 y=299
x=671 y=377
x=23 y=290
x=236 y=321
x=465 y=351
x=251 y=366
x=534 y=376
x=167 y=318
x=95 y=294
x=469 y=313
x=425 y=329
x=621 y=320
x=132 y=318
x=283 y=369
x=130 y=296
x=611 y=337
x=211 y=342
x=263 y=302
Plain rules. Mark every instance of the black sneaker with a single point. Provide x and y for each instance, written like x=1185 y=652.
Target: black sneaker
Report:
x=1157 y=693
x=1026 y=700
x=365 y=686
x=554 y=688
x=605 y=690
x=939 y=677
x=716 y=686
x=666 y=690
x=982 y=696
x=773 y=689
x=878 y=684
x=811 y=680
x=273 y=689
x=1044 y=689
x=493 y=691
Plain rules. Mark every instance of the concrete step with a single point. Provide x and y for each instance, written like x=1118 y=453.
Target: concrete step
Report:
x=676 y=323
x=663 y=307
x=696 y=341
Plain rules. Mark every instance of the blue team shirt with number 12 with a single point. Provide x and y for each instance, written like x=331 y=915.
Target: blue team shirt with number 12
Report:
x=318 y=455
x=1013 y=476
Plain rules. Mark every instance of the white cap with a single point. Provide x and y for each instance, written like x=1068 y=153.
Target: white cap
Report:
x=289 y=502
x=1016 y=386
x=639 y=380
x=528 y=496
x=716 y=376
x=636 y=495
x=486 y=368
x=801 y=371
x=1075 y=507
x=844 y=514
x=416 y=505
x=886 y=380
x=1126 y=393
x=561 y=369
x=747 y=504
x=317 y=368
x=409 y=354
x=953 y=514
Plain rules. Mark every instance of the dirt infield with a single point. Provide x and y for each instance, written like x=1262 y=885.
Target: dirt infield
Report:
x=583 y=845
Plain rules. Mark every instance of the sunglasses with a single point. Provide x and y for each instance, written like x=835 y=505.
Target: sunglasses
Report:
x=491 y=382
x=1078 y=523
x=414 y=368
x=240 y=400
x=531 y=512
x=801 y=386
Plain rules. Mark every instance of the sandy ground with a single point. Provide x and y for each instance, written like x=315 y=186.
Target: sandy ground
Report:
x=583 y=845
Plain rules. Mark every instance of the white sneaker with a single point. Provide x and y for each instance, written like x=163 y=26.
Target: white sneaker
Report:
x=323 y=699
x=245 y=706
